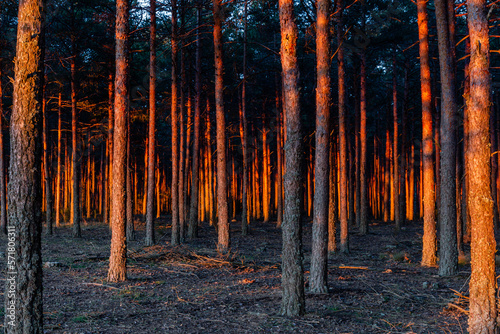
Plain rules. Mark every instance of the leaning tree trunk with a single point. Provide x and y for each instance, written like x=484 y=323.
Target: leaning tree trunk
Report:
x=23 y=289
x=150 y=232
x=429 y=239
x=318 y=280
x=118 y=259
x=483 y=285
x=448 y=255
x=222 y=209
x=292 y=279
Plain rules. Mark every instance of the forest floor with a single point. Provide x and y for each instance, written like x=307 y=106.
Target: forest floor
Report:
x=378 y=288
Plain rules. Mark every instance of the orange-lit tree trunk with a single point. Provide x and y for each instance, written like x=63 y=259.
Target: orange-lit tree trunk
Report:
x=150 y=231
x=363 y=219
x=318 y=279
x=332 y=201
x=222 y=209
x=118 y=258
x=75 y=167
x=175 y=133
x=279 y=154
x=109 y=158
x=448 y=255
x=3 y=208
x=46 y=171
x=387 y=172
x=182 y=137
x=483 y=285
x=395 y=150
x=344 y=226
x=429 y=201
x=292 y=281
x=130 y=231
x=193 y=210
x=23 y=295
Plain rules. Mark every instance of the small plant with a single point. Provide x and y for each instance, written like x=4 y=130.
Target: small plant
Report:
x=80 y=319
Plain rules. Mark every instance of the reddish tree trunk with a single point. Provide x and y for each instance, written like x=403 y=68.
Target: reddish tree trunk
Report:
x=117 y=261
x=483 y=285
x=292 y=281
x=175 y=133
x=222 y=208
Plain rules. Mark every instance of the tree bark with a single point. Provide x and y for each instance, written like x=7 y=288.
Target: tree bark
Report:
x=344 y=224
x=363 y=219
x=395 y=149
x=193 y=210
x=175 y=133
x=23 y=288
x=448 y=255
x=118 y=258
x=292 y=279
x=222 y=208
x=150 y=231
x=429 y=200
x=482 y=285
x=58 y=176
x=318 y=279
x=75 y=198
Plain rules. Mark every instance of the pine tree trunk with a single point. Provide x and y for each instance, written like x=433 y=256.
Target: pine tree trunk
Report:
x=395 y=149
x=118 y=259
x=344 y=226
x=175 y=133
x=130 y=231
x=48 y=192
x=75 y=198
x=23 y=289
x=318 y=279
x=448 y=255
x=109 y=158
x=222 y=208
x=482 y=285
x=193 y=210
x=363 y=216
x=150 y=232
x=429 y=239
x=292 y=281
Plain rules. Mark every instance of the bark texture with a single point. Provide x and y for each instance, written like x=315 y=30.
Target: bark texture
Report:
x=23 y=288
x=429 y=200
x=318 y=278
x=117 y=261
x=222 y=207
x=482 y=285
x=292 y=279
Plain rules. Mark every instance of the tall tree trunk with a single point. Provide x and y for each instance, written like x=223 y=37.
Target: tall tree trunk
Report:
x=46 y=169
x=244 y=130
x=23 y=289
x=222 y=209
x=344 y=226
x=118 y=258
x=193 y=210
x=130 y=231
x=363 y=219
x=318 y=280
x=482 y=285
x=3 y=194
x=429 y=200
x=58 y=176
x=395 y=150
x=75 y=198
x=109 y=159
x=292 y=281
x=387 y=177
x=448 y=255
x=175 y=133
x=332 y=201
x=150 y=231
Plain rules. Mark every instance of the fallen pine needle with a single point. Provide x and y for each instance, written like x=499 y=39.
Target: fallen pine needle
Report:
x=102 y=285
x=354 y=267
x=458 y=308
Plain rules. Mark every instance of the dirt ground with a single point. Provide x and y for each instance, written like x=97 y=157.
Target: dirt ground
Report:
x=378 y=288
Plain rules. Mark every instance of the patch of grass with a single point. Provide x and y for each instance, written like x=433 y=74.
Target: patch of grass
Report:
x=80 y=319
x=400 y=257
